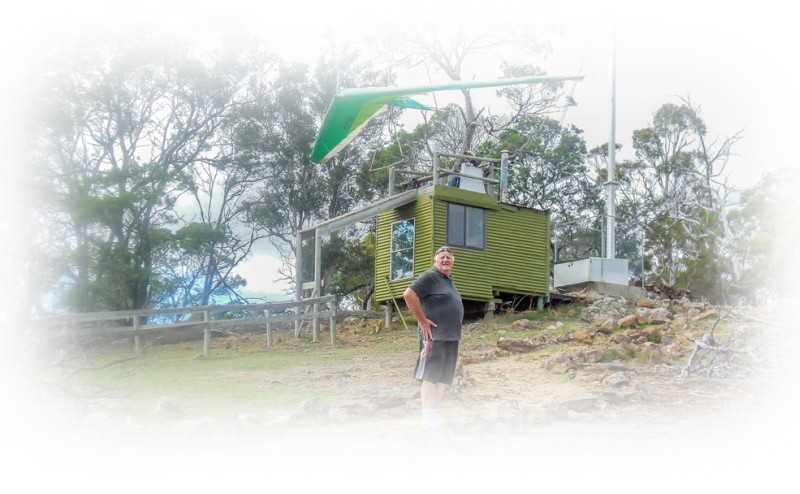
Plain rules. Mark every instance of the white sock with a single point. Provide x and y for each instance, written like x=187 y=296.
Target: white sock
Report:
x=431 y=418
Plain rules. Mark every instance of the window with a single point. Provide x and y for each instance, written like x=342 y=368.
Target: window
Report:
x=466 y=226
x=402 y=255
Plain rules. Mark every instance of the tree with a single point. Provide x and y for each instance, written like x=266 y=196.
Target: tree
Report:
x=549 y=170
x=220 y=233
x=766 y=239
x=120 y=135
x=345 y=265
x=710 y=245
x=296 y=193
x=663 y=178
x=676 y=191
x=449 y=53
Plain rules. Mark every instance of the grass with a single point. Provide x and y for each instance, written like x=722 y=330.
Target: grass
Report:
x=242 y=373
x=234 y=374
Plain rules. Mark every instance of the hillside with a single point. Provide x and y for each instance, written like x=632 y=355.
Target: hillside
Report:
x=603 y=385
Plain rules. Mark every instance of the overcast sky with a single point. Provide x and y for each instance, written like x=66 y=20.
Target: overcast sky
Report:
x=735 y=62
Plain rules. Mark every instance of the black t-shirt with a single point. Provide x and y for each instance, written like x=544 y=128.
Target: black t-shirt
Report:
x=441 y=303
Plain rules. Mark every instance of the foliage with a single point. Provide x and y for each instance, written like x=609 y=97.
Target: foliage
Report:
x=766 y=243
x=159 y=170
x=549 y=169
x=119 y=136
x=296 y=193
x=676 y=197
x=349 y=269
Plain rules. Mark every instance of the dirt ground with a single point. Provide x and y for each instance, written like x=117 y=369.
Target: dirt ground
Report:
x=516 y=422
x=612 y=426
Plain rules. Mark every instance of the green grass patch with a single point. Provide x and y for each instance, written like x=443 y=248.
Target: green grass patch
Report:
x=243 y=376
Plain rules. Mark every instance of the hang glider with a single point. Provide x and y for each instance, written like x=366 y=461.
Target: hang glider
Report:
x=351 y=109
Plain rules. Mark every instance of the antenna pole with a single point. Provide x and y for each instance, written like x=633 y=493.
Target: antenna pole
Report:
x=611 y=251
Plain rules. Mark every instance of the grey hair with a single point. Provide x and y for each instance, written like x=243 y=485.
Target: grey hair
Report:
x=441 y=249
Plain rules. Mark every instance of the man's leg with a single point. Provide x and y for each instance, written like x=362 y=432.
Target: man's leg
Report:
x=431 y=395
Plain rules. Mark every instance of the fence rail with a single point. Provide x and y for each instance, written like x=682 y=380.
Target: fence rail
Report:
x=81 y=323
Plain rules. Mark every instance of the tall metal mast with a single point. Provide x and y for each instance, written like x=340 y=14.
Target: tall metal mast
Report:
x=611 y=184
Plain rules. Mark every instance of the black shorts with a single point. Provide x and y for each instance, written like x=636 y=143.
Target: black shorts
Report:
x=436 y=362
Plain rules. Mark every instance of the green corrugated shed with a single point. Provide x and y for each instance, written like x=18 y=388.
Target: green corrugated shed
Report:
x=516 y=259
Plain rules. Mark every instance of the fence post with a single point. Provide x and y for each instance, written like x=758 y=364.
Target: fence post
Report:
x=317 y=282
x=206 y=334
x=268 y=313
x=333 y=322
x=387 y=310
x=298 y=280
x=137 y=340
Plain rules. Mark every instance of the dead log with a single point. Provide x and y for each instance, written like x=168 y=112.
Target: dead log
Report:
x=713 y=357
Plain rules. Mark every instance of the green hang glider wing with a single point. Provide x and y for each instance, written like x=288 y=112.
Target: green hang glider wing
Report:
x=351 y=109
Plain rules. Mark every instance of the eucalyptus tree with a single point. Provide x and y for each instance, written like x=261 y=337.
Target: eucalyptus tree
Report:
x=221 y=192
x=712 y=266
x=678 y=192
x=123 y=126
x=663 y=178
x=525 y=126
x=450 y=51
x=548 y=162
x=296 y=193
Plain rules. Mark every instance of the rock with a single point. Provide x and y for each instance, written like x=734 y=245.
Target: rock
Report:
x=706 y=314
x=653 y=334
x=522 y=325
x=654 y=353
x=517 y=345
x=620 y=338
x=593 y=356
x=166 y=408
x=579 y=403
x=562 y=364
x=564 y=337
x=616 y=380
x=608 y=325
x=510 y=412
x=475 y=356
x=476 y=327
x=536 y=415
x=619 y=395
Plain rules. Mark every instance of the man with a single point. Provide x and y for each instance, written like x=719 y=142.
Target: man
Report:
x=435 y=302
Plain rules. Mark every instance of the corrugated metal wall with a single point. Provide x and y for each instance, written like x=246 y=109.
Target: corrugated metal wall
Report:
x=423 y=250
x=516 y=259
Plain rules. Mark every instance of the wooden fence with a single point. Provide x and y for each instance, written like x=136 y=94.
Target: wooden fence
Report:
x=129 y=322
